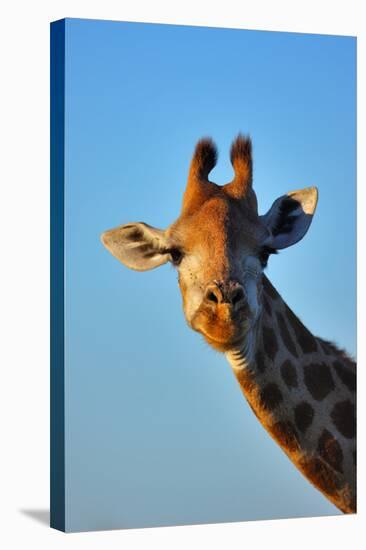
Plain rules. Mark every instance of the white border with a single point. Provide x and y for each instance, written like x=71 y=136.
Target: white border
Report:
x=24 y=203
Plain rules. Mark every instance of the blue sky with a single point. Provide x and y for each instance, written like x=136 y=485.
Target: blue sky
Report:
x=157 y=431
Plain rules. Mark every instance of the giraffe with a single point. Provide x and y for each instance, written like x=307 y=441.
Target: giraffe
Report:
x=300 y=387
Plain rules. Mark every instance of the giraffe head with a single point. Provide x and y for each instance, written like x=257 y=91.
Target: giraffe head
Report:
x=219 y=244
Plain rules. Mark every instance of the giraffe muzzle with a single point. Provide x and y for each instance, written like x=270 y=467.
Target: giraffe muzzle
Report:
x=231 y=293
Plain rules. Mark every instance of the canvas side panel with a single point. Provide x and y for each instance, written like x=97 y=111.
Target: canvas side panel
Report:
x=57 y=467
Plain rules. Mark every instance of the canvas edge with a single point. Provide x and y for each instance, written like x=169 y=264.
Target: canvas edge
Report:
x=57 y=333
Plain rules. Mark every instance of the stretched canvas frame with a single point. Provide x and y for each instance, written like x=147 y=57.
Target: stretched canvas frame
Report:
x=64 y=515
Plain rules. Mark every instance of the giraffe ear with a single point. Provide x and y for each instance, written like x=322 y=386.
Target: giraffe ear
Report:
x=137 y=245
x=290 y=217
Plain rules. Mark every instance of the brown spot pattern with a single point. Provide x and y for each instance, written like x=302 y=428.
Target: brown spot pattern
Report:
x=304 y=414
x=289 y=374
x=331 y=349
x=285 y=434
x=270 y=396
x=285 y=335
x=346 y=374
x=330 y=450
x=321 y=475
x=260 y=361
x=343 y=417
x=270 y=342
x=304 y=338
x=318 y=380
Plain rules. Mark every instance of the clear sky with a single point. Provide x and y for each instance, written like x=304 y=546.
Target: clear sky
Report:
x=157 y=430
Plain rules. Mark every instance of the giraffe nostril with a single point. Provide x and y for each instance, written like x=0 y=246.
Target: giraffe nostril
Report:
x=225 y=294
x=237 y=296
x=211 y=297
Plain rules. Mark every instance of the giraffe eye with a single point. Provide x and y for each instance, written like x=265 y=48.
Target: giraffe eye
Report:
x=176 y=255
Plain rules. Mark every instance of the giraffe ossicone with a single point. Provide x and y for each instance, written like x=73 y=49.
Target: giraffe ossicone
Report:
x=300 y=387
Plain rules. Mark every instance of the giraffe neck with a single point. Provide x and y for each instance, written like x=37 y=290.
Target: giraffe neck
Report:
x=302 y=390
